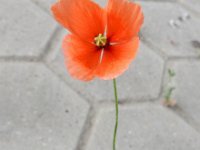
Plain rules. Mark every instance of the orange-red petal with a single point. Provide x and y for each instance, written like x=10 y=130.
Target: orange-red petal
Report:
x=117 y=58
x=124 y=19
x=81 y=58
x=81 y=17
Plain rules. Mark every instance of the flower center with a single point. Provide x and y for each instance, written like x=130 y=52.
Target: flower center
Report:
x=100 y=40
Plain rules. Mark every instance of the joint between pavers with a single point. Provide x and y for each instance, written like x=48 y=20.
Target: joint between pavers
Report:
x=85 y=99
x=87 y=129
x=19 y=59
x=176 y=110
x=155 y=49
x=40 y=7
x=47 y=50
x=165 y=58
x=124 y=103
x=162 y=85
x=186 y=58
x=188 y=119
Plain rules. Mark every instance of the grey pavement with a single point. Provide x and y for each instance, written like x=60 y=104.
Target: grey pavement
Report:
x=193 y=5
x=187 y=84
x=38 y=109
x=175 y=30
x=144 y=127
x=43 y=108
x=19 y=21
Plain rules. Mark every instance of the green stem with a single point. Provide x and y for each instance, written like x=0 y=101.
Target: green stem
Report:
x=116 y=114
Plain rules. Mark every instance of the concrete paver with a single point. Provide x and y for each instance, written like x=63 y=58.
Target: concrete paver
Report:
x=45 y=4
x=37 y=110
x=192 y=4
x=25 y=29
x=43 y=108
x=143 y=127
x=170 y=28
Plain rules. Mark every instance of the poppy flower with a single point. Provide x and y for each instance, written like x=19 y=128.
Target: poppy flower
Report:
x=102 y=41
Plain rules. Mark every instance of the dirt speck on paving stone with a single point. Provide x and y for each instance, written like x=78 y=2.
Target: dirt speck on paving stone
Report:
x=195 y=44
x=174 y=43
x=184 y=17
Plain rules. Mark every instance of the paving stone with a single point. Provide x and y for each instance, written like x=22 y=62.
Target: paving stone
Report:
x=187 y=83
x=170 y=28
x=25 y=29
x=159 y=0
x=143 y=127
x=37 y=110
x=193 y=4
x=141 y=81
x=54 y=47
x=46 y=4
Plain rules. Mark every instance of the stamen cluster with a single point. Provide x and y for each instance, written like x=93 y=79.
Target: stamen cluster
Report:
x=100 y=40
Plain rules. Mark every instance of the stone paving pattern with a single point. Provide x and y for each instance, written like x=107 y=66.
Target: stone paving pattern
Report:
x=43 y=108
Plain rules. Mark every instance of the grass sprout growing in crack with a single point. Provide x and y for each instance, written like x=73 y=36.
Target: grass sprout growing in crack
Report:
x=171 y=73
x=168 y=94
x=169 y=90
